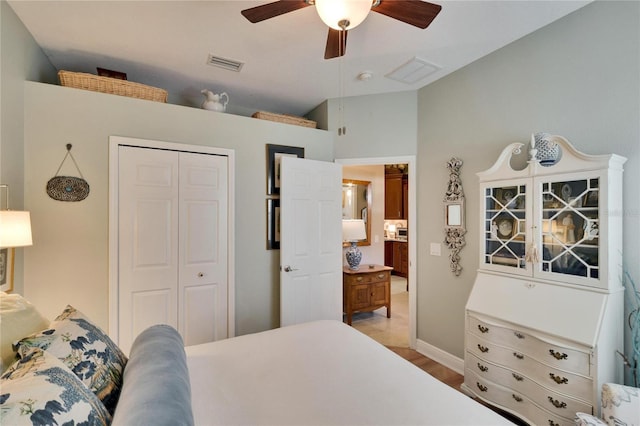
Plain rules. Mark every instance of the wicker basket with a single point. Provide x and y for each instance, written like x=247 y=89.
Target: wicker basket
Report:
x=285 y=118
x=114 y=86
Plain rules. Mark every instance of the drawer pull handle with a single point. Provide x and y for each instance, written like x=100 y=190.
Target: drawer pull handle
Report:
x=559 y=380
x=518 y=377
x=552 y=423
x=483 y=349
x=558 y=355
x=481 y=387
x=359 y=279
x=516 y=397
x=380 y=276
x=519 y=335
x=557 y=403
x=483 y=368
x=483 y=329
x=517 y=355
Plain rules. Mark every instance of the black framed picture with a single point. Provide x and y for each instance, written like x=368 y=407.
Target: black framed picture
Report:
x=273 y=224
x=274 y=158
x=6 y=269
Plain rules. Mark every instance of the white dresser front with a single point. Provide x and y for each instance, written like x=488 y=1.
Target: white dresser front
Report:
x=540 y=350
x=526 y=373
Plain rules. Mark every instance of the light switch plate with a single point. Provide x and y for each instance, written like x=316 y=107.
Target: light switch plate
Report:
x=435 y=249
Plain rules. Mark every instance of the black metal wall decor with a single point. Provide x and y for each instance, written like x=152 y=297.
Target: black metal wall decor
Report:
x=68 y=188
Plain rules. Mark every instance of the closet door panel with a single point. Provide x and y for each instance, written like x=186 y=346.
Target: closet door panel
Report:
x=201 y=314
x=148 y=240
x=203 y=200
x=151 y=307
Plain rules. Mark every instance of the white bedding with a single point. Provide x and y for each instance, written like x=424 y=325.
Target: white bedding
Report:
x=319 y=373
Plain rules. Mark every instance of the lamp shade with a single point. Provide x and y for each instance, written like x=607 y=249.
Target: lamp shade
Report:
x=349 y=13
x=353 y=230
x=15 y=228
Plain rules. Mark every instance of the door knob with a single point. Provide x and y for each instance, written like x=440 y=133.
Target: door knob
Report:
x=200 y=274
x=289 y=269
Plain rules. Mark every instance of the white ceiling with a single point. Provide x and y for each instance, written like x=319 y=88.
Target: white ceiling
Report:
x=166 y=44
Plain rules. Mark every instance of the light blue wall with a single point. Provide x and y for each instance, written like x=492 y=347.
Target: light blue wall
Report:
x=377 y=125
x=578 y=77
x=20 y=59
x=72 y=238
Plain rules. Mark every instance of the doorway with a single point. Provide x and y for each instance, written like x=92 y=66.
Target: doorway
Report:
x=375 y=253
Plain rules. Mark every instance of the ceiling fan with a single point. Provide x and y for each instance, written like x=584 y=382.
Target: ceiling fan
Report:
x=343 y=15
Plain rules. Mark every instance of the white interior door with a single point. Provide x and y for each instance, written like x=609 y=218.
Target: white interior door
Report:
x=310 y=241
x=172 y=243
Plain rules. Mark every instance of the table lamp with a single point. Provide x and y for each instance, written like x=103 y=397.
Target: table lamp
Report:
x=353 y=230
x=15 y=229
x=15 y=226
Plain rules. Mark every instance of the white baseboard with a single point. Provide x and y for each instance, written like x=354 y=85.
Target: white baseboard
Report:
x=438 y=355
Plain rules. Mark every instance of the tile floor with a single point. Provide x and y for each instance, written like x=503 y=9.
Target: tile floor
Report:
x=392 y=331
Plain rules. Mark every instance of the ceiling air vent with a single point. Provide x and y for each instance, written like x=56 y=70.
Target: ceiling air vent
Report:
x=227 y=64
x=413 y=71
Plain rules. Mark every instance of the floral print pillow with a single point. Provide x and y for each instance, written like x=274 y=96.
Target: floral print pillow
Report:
x=86 y=350
x=40 y=390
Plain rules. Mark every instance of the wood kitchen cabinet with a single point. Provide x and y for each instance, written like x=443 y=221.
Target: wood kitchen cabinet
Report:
x=366 y=289
x=396 y=255
x=388 y=253
x=400 y=258
x=396 y=196
x=405 y=197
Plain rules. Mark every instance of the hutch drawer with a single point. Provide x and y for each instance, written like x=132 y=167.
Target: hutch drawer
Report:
x=533 y=377
x=556 y=356
x=517 y=402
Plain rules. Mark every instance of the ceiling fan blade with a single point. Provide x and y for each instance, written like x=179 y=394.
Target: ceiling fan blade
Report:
x=271 y=10
x=336 y=43
x=414 y=12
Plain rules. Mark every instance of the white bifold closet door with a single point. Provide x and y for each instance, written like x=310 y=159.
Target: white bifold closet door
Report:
x=173 y=236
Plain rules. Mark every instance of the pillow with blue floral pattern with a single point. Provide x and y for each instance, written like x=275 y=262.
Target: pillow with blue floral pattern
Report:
x=40 y=390
x=86 y=350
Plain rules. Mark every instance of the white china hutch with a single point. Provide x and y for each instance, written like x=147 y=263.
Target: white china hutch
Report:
x=544 y=320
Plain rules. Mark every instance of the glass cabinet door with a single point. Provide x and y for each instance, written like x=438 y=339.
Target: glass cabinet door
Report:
x=569 y=227
x=505 y=226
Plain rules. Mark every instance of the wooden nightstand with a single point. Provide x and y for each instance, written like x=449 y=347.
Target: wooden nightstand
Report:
x=366 y=289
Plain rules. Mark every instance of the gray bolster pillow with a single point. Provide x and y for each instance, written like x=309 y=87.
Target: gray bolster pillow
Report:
x=155 y=384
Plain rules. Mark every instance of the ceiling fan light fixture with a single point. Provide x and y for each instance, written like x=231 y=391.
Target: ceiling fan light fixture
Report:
x=343 y=14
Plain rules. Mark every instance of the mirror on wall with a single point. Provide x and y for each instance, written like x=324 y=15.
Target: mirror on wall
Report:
x=453 y=215
x=356 y=204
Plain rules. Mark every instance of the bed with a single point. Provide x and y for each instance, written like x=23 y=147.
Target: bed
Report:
x=68 y=371
x=319 y=373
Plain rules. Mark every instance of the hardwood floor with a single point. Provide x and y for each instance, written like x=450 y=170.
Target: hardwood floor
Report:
x=393 y=333
x=439 y=371
x=446 y=376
